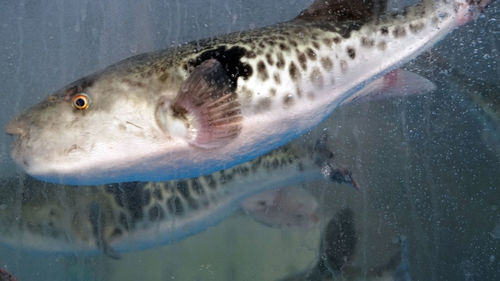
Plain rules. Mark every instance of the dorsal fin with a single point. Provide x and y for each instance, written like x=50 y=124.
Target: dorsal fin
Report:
x=343 y=10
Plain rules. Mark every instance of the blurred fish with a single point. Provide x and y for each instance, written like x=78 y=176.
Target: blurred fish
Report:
x=285 y=207
x=5 y=276
x=482 y=94
x=486 y=96
x=136 y=215
x=128 y=216
x=212 y=104
x=337 y=247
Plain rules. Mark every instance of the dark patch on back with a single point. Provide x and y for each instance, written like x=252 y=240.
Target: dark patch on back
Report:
x=384 y=30
x=338 y=11
x=351 y=52
x=344 y=29
x=230 y=59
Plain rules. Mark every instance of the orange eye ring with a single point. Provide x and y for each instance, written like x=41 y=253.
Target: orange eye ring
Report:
x=81 y=101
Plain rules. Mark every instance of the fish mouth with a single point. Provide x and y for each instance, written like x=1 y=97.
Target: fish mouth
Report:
x=18 y=129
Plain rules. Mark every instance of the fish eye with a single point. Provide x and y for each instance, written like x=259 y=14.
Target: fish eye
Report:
x=81 y=101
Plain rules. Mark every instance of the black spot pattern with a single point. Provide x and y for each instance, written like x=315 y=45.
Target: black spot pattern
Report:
x=294 y=72
x=262 y=71
x=230 y=59
x=351 y=52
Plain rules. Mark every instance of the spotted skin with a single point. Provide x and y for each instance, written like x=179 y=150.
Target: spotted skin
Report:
x=135 y=215
x=281 y=80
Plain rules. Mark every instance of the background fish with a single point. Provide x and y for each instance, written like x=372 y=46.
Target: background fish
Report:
x=128 y=216
x=212 y=104
x=338 y=243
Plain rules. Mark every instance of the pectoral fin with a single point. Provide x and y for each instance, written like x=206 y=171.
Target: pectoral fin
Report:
x=397 y=83
x=209 y=106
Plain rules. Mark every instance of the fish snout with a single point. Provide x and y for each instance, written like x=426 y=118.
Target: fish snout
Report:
x=16 y=128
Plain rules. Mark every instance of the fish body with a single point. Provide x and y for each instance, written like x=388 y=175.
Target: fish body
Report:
x=114 y=218
x=212 y=104
x=337 y=247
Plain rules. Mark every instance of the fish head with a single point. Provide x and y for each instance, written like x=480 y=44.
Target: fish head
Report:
x=100 y=122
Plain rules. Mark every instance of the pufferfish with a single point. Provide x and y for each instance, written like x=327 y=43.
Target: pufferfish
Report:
x=215 y=103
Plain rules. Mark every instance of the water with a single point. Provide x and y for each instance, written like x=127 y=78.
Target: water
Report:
x=429 y=165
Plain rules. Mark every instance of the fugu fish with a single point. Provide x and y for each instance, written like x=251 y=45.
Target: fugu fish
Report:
x=337 y=246
x=129 y=216
x=212 y=104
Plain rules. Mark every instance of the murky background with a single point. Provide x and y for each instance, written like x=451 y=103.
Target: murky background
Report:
x=429 y=166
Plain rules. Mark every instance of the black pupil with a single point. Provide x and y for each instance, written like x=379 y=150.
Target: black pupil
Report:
x=80 y=102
